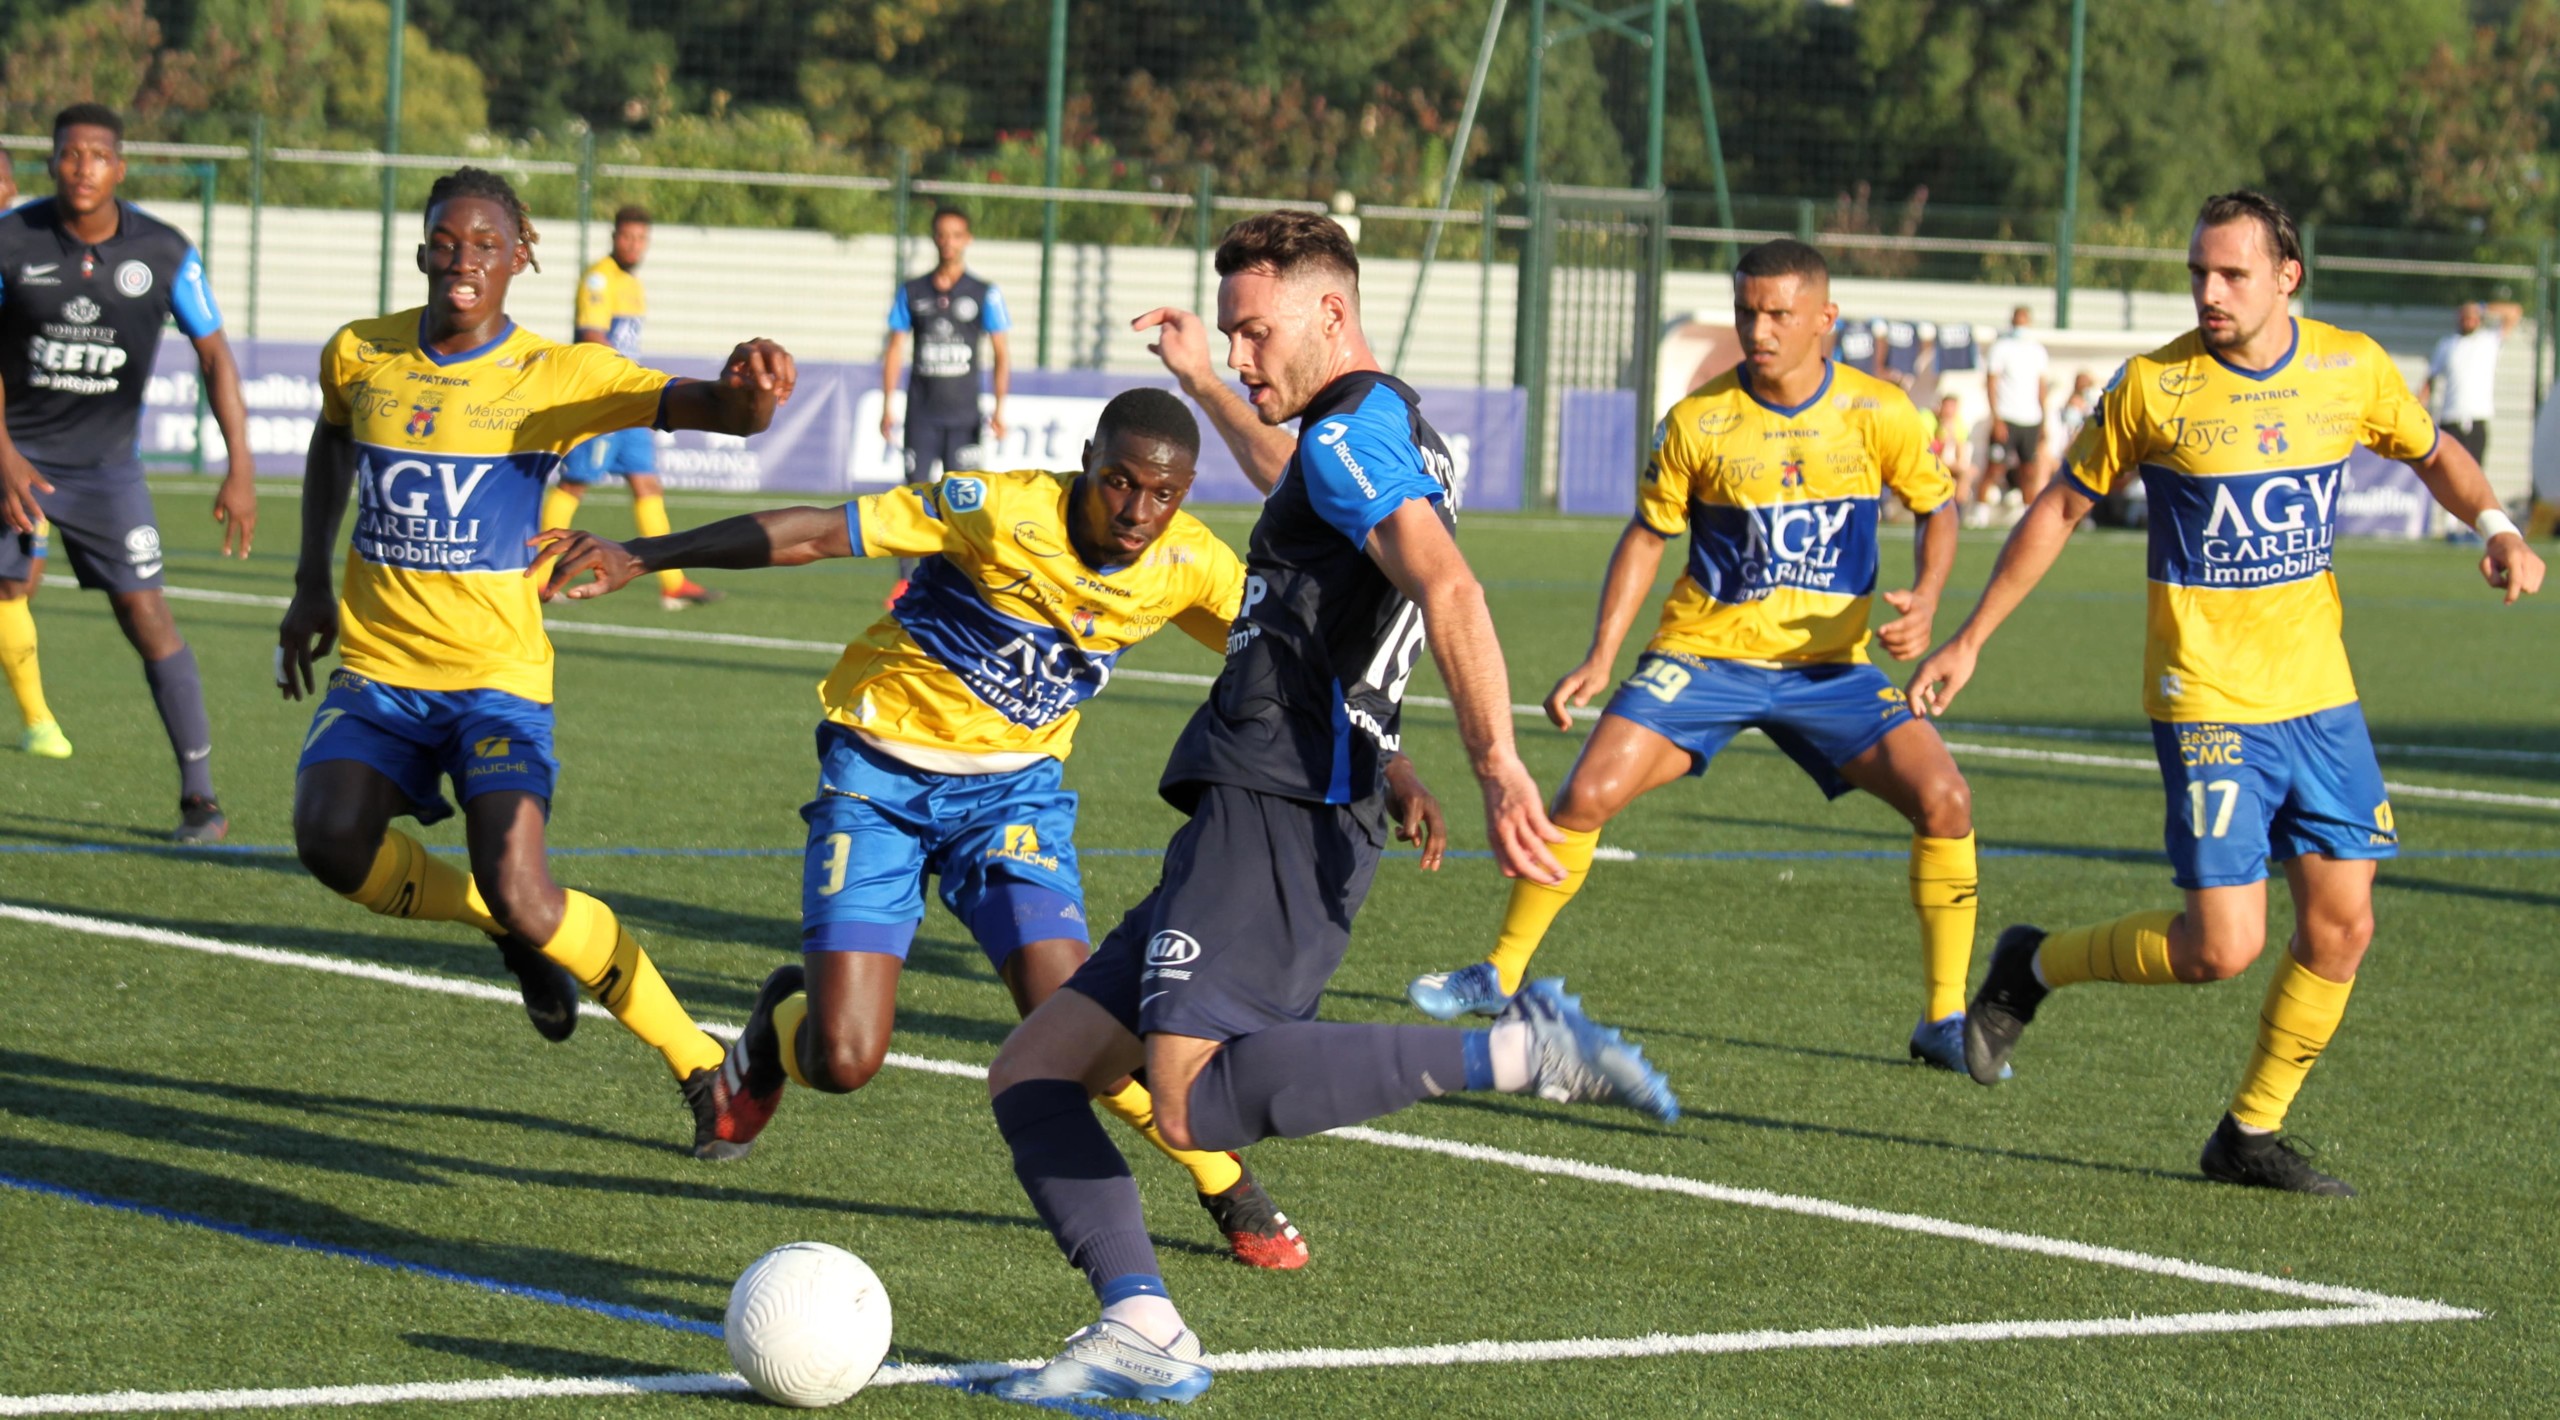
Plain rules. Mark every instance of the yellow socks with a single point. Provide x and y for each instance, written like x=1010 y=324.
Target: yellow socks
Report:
x=1211 y=1173
x=408 y=881
x=559 y=508
x=2301 y=1013
x=787 y=1017
x=1945 y=891
x=649 y=515
x=595 y=949
x=1534 y=906
x=2133 y=950
x=18 y=661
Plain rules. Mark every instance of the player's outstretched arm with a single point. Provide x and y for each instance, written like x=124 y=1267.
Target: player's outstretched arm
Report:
x=1182 y=343
x=235 y=503
x=1628 y=586
x=1415 y=550
x=310 y=626
x=19 y=483
x=892 y=359
x=1933 y=548
x=2024 y=559
x=775 y=537
x=741 y=401
x=2454 y=477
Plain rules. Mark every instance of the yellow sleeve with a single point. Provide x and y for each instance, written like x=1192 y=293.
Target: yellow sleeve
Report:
x=593 y=391
x=334 y=407
x=2396 y=425
x=1662 y=498
x=595 y=301
x=903 y=522
x=2109 y=448
x=1902 y=455
x=1221 y=596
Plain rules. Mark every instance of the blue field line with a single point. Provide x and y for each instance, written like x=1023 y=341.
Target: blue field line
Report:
x=664 y=1320
x=1727 y=855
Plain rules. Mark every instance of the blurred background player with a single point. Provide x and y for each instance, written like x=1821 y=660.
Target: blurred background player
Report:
x=446 y=672
x=2017 y=381
x=2462 y=373
x=2254 y=716
x=947 y=311
x=937 y=757
x=86 y=283
x=611 y=308
x=1775 y=470
x=1289 y=775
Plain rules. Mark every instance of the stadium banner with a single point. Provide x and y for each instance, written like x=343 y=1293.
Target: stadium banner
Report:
x=826 y=441
x=2382 y=497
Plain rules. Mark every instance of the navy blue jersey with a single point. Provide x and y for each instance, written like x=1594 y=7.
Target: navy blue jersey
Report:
x=942 y=384
x=80 y=326
x=1317 y=659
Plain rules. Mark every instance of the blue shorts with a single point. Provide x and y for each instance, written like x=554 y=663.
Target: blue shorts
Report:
x=1002 y=845
x=1822 y=716
x=623 y=451
x=2240 y=795
x=485 y=741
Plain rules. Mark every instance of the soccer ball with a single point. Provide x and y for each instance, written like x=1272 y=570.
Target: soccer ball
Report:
x=808 y=1324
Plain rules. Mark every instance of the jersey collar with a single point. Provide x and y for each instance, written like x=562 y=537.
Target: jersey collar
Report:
x=473 y=353
x=1787 y=411
x=2271 y=371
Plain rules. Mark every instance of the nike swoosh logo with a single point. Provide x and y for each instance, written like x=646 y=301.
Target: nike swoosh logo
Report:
x=45 y=270
x=1143 y=1000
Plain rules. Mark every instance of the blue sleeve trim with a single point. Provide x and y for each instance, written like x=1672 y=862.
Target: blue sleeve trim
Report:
x=2072 y=476
x=191 y=300
x=997 y=317
x=2432 y=445
x=899 y=321
x=1362 y=466
x=853 y=526
x=658 y=421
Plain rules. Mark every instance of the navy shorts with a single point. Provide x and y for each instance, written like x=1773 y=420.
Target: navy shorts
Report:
x=1248 y=923
x=102 y=521
x=2241 y=795
x=1002 y=845
x=934 y=449
x=1822 y=716
x=624 y=451
x=485 y=741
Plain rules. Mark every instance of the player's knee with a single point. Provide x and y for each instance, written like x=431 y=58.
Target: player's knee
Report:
x=2219 y=956
x=840 y=1066
x=333 y=849
x=1946 y=808
x=1588 y=801
x=522 y=898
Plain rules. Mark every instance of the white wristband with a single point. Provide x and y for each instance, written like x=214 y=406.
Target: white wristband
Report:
x=2492 y=523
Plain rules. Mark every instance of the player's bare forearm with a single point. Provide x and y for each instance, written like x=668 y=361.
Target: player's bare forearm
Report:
x=2454 y=478
x=1933 y=552
x=1634 y=564
x=756 y=380
x=328 y=473
x=19 y=482
x=230 y=411
x=775 y=537
x=1262 y=450
x=1416 y=552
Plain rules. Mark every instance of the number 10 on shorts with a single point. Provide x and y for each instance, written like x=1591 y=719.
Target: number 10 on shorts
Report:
x=2210 y=802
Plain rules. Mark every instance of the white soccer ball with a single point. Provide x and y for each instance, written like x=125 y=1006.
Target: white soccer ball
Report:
x=808 y=1324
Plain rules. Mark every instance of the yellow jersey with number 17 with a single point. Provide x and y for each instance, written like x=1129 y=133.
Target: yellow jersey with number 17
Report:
x=1004 y=631
x=1781 y=505
x=2241 y=471
x=451 y=454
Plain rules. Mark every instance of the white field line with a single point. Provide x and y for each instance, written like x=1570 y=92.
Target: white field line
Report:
x=2038 y=756
x=1466 y=1353
x=2066 y=1249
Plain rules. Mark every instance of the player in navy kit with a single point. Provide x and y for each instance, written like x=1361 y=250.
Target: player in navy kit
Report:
x=1289 y=774
x=948 y=311
x=86 y=282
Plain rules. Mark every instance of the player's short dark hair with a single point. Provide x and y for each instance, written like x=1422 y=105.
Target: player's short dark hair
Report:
x=947 y=210
x=1783 y=257
x=630 y=214
x=89 y=116
x=1151 y=413
x=1289 y=242
x=2250 y=205
x=489 y=187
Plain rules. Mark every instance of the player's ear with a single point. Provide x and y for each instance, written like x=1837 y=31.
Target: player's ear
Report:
x=1084 y=457
x=1830 y=316
x=422 y=258
x=523 y=259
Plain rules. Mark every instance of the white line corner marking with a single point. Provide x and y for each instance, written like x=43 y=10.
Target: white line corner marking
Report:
x=2345 y=1306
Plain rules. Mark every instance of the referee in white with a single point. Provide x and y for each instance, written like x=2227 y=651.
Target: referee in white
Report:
x=2462 y=375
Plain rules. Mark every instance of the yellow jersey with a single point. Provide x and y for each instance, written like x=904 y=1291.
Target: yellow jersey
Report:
x=610 y=300
x=451 y=454
x=2241 y=471
x=1000 y=636
x=1781 y=507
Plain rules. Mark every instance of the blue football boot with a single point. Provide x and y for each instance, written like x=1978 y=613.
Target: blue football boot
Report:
x=1447 y=995
x=1939 y=1044
x=1572 y=1057
x=1108 y=1361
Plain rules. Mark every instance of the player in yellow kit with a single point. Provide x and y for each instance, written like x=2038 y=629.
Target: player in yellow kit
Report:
x=2239 y=432
x=1774 y=470
x=444 y=421
x=611 y=309
x=946 y=729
